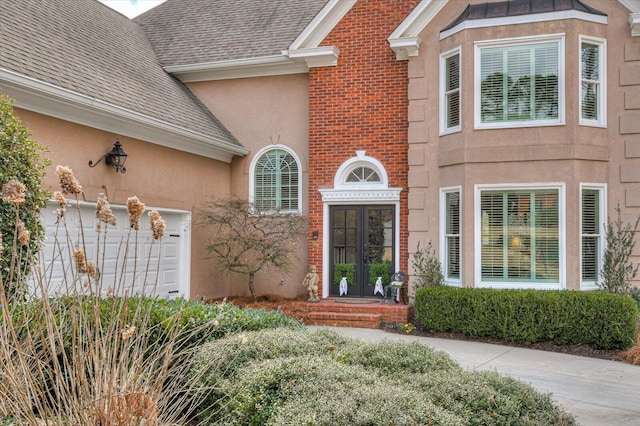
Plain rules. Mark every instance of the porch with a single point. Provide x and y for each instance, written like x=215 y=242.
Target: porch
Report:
x=361 y=313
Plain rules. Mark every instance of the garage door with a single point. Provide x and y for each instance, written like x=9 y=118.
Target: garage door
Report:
x=127 y=262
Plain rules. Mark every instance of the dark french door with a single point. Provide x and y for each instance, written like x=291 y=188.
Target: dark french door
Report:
x=362 y=248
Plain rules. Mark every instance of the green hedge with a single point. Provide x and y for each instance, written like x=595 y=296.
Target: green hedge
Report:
x=599 y=319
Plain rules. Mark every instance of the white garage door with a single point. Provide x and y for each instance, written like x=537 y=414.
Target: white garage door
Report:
x=162 y=266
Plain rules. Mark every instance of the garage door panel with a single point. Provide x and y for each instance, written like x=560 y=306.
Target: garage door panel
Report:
x=109 y=249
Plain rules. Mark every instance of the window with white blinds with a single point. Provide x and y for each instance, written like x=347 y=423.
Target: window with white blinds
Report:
x=592 y=82
x=519 y=84
x=450 y=92
x=276 y=182
x=592 y=236
x=452 y=235
x=520 y=234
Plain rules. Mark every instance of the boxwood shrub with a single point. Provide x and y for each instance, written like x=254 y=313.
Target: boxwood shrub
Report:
x=599 y=319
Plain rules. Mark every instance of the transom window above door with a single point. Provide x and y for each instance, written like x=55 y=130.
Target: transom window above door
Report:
x=363 y=174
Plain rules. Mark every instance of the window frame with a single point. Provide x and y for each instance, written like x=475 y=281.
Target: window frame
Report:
x=504 y=43
x=444 y=94
x=444 y=236
x=252 y=177
x=601 y=121
x=602 y=212
x=478 y=190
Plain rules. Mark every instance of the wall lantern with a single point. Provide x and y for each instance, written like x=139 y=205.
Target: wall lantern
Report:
x=114 y=158
x=314 y=235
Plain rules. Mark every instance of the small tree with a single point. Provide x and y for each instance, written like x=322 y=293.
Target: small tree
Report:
x=21 y=161
x=426 y=268
x=617 y=268
x=244 y=241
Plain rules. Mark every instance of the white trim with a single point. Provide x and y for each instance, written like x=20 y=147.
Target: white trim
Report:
x=455 y=282
x=562 y=280
x=404 y=40
x=479 y=45
x=634 y=16
x=524 y=19
x=54 y=101
x=602 y=190
x=252 y=172
x=315 y=56
x=444 y=130
x=322 y=24
x=238 y=68
x=602 y=93
x=356 y=194
x=340 y=178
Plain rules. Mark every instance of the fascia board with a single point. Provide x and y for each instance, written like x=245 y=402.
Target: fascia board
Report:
x=405 y=40
x=632 y=5
x=322 y=24
x=53 y=101
x=238 y=68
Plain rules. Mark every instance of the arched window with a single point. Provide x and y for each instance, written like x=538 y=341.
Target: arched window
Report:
x=276 y=181
x=363 y=174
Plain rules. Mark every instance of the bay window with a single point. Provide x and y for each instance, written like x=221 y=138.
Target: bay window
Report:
x=450 y=225
x=592 y=78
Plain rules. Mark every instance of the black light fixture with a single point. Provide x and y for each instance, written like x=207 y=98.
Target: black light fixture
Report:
x=114 y=158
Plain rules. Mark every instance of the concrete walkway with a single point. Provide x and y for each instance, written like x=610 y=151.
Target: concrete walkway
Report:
x=597 y=392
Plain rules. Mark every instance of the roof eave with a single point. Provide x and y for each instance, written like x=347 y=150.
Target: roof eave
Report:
x=405 y=40
x=47 y=99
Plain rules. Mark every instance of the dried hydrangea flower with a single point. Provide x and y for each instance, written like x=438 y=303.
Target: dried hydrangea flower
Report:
x=128 y=331
x=23 y=234
x=135 y=209
x=62 y=203
x=103 y=210
x=157 y=224
x=92 y=269
x=81 y=260
x=13 y=192
x=68 y=182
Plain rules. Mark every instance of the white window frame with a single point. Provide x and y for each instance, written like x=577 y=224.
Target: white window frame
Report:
x=602 y=214
x=602 y=83
x=478 y=189
x=479 y=45
x=444 y=252
x=252 y=174
x=444 y=130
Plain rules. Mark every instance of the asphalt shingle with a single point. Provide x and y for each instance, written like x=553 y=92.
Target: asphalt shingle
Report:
x=88 y=48
x=186 y=32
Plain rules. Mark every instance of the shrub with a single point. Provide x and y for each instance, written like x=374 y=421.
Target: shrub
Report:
x=427 y=269
x=21 y=161
x=294 y=377
x=598 y=319
x=617 y=268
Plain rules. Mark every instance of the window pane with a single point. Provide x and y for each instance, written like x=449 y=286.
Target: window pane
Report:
x=519 y=83
x=452 y=237
x=276 y=181
x=590 y=234
x=590 y=81
x=520 y=236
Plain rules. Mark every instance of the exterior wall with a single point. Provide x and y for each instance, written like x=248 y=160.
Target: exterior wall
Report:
x=570 y=154
x=259 y=112
x=360 y=104
x=160 y=177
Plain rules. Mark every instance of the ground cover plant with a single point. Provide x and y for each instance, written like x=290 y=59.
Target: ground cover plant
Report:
x=293 y=377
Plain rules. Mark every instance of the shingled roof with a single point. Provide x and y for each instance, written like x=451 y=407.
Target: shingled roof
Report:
x=186 y=32
x=88 y=49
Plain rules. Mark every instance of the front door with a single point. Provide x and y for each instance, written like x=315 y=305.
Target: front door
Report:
x=362 y=248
